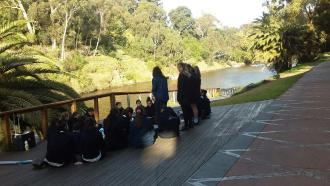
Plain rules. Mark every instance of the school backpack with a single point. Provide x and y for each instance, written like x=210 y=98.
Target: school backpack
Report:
x=168 y=123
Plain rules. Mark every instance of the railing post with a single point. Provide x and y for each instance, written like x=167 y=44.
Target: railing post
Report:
x=96 y=109
x=128 y=100
x=112 y=101
x=6 y=128
x=44 y=121
x=73 y=107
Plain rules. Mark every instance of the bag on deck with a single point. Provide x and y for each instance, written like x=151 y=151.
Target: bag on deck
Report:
x=168 y=123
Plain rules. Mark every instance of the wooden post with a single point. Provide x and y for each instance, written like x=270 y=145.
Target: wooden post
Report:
x=73 y=107
x=112 y=101
x=173 y=97
x=44 y=121
x=128 y=100
x=96 y=109
x=6 y=129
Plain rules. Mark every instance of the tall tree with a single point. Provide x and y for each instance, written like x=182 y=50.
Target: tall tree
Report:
x=182 y=20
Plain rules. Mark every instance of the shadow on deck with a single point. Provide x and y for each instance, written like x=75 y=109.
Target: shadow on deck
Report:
x=167 y=162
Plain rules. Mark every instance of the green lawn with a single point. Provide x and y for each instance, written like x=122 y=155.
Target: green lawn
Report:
x=274 y=88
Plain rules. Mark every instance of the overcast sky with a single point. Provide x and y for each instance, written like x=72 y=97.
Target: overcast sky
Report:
x=229 y=12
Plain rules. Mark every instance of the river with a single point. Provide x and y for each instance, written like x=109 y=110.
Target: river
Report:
x=224 y=78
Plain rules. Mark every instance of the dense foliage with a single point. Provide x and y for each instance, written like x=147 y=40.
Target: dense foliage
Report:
x=125 y=33
x=24 y=71
x=292 y=31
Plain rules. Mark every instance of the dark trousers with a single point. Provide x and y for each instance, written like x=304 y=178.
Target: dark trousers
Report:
x=158 y=107
x=187 y=114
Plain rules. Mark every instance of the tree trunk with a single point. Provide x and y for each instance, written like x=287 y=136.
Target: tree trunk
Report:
x=64 y=36
x=25 y=15
x=99 y=36
x=54 y=45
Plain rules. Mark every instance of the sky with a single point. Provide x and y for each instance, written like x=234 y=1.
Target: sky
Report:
x=232 y=13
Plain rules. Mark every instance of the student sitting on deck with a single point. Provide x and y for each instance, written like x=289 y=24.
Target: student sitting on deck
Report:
x=91 y=141
x=141 y=132
x=59 y=145
x=119 y=129
x=139 y=106
x=119 y=108
x=204 y=105
x=150 y=109
x=76 y=135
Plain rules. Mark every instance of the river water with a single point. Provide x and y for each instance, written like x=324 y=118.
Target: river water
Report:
x=224 y=78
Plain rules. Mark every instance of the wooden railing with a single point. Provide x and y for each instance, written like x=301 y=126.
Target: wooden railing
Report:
x=72 y=103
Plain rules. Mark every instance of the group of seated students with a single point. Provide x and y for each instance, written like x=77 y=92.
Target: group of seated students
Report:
x=75 y=138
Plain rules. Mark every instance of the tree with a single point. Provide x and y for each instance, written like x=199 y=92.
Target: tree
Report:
x=322 y=22
x=22 y=72
x=182 y=20
x=18 y=4
x=205 y=23
x=69 y=8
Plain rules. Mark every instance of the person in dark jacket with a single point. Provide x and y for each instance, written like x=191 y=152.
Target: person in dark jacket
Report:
x=196 y=93
x=150 y=109
x=204 y=105
x=159 y=90
x=77 y=146
x=59 y=145
x=74 y=118
x=119 y=108
x=140 y=107
x=184 y=97
x=141 y=132
x=118 y=133
x=92 y=141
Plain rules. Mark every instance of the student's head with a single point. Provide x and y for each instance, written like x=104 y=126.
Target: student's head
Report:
x=129 y=112
x=204 y=92
x=119 y=105
x=138 y=103
x=75 y=115
x=89 y=124
x=149 y=102
x=90 y=112
x=180 y=67
x=197 y=71
x=64 y=116
x=157 y=72
x=114 y=112
x=60 y=125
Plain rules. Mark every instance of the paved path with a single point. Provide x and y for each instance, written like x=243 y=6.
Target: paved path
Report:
x=294 y=146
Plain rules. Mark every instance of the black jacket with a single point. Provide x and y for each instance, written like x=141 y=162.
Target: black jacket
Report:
x=59 y=146
x=92 y=143
x=185 y=88
x=118 y=133
x=150 y=111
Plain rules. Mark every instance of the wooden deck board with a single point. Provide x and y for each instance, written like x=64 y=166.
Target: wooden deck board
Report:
x=168 y=162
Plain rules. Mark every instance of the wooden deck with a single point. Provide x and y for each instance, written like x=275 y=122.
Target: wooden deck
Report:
x=168 y=162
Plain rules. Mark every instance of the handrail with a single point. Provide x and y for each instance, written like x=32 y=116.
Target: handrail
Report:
x=60 y=103
x=73 y=103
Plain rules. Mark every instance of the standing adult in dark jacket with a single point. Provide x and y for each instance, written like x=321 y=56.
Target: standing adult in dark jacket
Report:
x=184 y=97
x=196 y=93
x=159 y=90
